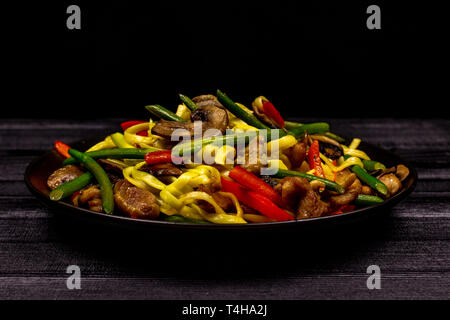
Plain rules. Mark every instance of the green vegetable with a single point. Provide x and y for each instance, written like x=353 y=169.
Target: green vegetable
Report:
x=291 y=125
x=249 y=118
x=188 y=102
x=68 y=188
x=101 y=177
x=116 y=153
x=367 y=200
x=163 y=113
x=371 y=165
x=371 y=181
x=229 y=139
x=330 y=185
x=180 y=219
x=310 y=128
x=335 y=137
x=119 y=140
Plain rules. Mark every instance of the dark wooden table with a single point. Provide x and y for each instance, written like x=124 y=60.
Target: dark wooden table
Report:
x=411 y=243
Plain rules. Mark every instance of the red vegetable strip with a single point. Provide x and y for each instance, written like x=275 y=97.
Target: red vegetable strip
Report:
x=270 y=111
x=256 y=201
x=143 y=133
x=249 y=180
x=62 y=148
x=125 y=125
x=162 y=156
x=314 y=159
x=342 y=209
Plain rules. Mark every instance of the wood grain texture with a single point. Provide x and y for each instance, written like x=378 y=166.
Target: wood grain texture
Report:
x=411 y=244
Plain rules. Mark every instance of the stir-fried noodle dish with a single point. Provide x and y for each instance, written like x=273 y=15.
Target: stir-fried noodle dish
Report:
x=217 y=161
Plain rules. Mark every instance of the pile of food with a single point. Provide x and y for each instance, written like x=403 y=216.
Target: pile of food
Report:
x=216 y=161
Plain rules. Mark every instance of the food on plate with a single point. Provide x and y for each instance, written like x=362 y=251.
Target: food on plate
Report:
x=216 y=161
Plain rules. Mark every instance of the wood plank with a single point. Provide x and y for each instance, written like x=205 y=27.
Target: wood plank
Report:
x=303 y=287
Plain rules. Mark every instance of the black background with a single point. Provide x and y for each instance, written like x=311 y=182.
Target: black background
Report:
x=312 y=58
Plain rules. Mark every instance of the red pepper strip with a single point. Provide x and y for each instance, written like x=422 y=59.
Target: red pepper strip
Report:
x=143 y=133
x=62 y=148
x=256 y=201
x=270 y=111
x=344 y=208
x=314 y=159
x=249 y=180
x=125 y=125
x=162 y=156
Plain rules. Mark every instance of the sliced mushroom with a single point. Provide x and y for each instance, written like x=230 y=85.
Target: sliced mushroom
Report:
x=92 y=196
x=329 y=147
x=166 y=128
x=161 y=169
x=63 y=175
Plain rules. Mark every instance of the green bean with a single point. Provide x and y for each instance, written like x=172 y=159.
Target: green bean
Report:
x=119 y=140
x=335 y=137
x=372 y=165
x=229 y=139
x=371 y=181
x=188 y=102
x=68 y=188
x=330 y=185
x=367 y=200
x=180 y=219
x=115 y=153
x=101 y=177
x=310 y=128
x=291 y=125
x=249 y=118
x=161 y=112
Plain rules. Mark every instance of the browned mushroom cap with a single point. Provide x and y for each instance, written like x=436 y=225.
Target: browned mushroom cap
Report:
x=392 y=183
x=402 y=172
x=166 y=128
x=210 y=112
x=161 y=169
x=212 y=117
x=63 y=175
x=207 y=100
x=135 y=202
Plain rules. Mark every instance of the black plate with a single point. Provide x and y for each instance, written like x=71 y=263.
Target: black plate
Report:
x=39 y=169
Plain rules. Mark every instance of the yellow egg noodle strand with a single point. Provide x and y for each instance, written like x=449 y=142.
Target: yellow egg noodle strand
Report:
x=347 y=163
x=239 y=211
x=355 y=143
x=132 y=138
x=105 y=144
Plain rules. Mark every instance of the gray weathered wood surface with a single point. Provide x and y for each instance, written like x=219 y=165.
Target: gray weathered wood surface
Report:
x=411 y=244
